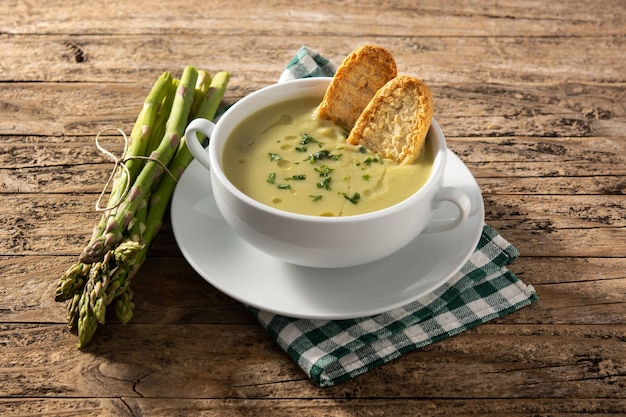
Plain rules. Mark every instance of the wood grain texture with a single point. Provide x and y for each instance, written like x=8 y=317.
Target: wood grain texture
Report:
x=494 y=360
x=530 y=96
x=447 y=18
x=261 y=57
x=496 y=110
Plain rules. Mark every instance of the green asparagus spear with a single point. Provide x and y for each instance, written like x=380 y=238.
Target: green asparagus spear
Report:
x=160 y=98
x=87 y=322
x=162 y=195
x=202 y=85
x=153 y=169
x=138 y=141
x=73 y=311
x=94 y=301
x=72 y=281
x=163 y=115
x=123 y=248
x=213 y=96
x=125 y=257
x=124 y=306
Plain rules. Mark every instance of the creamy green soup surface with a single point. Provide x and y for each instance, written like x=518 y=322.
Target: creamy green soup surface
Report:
x=285 y=157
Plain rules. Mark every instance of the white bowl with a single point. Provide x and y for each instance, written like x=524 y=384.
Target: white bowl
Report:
x=318 y=241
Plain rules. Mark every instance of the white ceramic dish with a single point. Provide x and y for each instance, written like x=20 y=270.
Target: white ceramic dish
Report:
x=248 y=275
x=319 y=241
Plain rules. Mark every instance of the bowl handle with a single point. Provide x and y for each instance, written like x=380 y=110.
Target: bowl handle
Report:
x=205 y=127
x=455 y=196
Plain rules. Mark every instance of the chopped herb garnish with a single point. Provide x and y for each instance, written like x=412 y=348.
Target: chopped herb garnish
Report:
x=324 y=170
x=300 y=177
x=325 y=183
x=370 y=161
x=306 y=138
x=365 y=177
x=274 y=157
x=362 y=149
x=316 y=197
x=271 y=178
x=283 y=186
x=354 y=199
x=301 y=148
x=323 y=154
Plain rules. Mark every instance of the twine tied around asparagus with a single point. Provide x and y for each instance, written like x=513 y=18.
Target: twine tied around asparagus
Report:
x=120 y=165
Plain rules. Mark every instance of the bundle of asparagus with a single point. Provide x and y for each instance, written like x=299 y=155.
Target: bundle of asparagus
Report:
x=155 y=158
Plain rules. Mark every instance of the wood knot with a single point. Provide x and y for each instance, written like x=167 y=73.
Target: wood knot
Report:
x=77 y=52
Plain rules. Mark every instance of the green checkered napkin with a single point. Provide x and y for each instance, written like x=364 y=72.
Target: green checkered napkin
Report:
x=333 y=351
x=308 y=63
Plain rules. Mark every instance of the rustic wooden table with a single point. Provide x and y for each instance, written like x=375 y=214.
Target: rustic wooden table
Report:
x=531 y=97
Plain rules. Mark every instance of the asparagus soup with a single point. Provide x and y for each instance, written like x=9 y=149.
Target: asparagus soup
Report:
x=285 y=157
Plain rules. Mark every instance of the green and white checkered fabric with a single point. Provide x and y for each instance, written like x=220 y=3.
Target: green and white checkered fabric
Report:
x=308 y=63
x=333 y=351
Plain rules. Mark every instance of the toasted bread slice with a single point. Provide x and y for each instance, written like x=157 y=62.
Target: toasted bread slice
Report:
x=395 y=122
x=356 y=81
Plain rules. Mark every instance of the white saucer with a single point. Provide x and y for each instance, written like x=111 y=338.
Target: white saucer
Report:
x=244 y=273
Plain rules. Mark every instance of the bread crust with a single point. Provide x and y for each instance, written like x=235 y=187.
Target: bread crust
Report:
x=358 y=78
x=395 y=122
